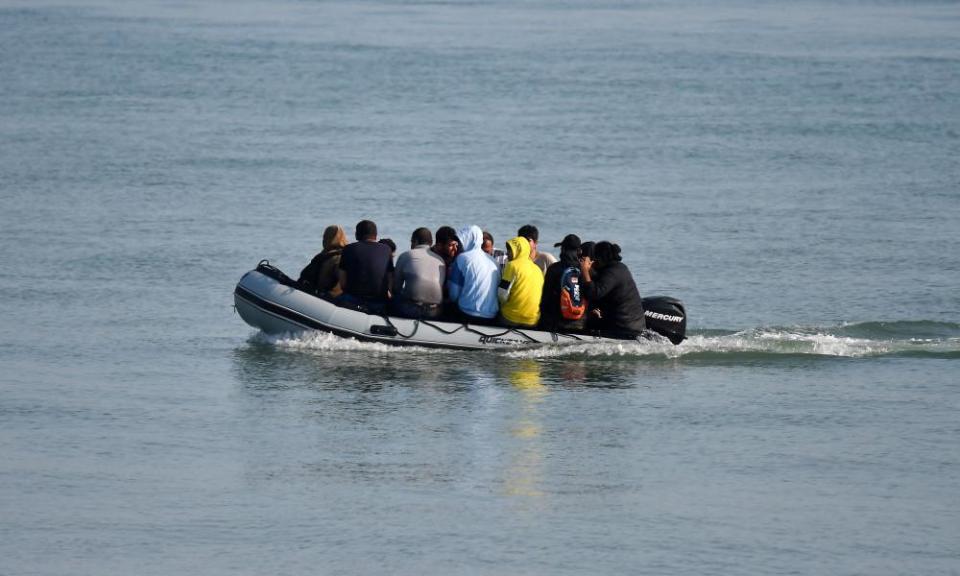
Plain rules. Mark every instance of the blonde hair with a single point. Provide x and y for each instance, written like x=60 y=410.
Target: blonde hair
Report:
x=334 y=237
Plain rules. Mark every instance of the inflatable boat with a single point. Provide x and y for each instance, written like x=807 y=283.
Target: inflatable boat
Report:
x=269 y=300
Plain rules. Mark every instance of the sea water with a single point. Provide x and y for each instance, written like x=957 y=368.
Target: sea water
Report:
x=789 y=170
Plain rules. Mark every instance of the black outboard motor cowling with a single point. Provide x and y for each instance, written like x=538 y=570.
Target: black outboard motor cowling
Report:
x=666 y=316
x=268 y=269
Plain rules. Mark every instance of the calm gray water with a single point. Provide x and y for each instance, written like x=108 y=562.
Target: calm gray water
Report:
x=789 y=170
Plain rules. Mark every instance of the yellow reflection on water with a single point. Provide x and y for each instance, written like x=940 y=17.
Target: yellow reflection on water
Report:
x=527 y=377
x=524 y=474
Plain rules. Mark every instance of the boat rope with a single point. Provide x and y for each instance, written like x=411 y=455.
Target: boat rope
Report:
x=416 y=327
x=467 y=327
x=443 y=330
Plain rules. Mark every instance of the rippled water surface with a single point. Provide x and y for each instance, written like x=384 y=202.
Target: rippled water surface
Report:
x=788 y=170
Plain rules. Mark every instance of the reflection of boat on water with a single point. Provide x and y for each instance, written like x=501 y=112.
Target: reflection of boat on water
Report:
x=267 y=299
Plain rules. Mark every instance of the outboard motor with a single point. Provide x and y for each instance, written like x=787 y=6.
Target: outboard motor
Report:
x=268 y=269
x=666 y=316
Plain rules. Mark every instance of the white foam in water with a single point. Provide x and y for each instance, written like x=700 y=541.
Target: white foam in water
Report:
x=802 y=341
x=628 y=348
x=821 y=344
x=326 y=342
x=750 y=341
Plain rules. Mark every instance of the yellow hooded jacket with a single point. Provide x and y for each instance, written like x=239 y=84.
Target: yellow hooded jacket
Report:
x=520 y=285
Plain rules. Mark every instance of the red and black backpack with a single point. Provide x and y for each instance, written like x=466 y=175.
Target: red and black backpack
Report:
x=573 y=305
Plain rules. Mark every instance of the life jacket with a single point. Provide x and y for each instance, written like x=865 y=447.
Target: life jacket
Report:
x=573 y=305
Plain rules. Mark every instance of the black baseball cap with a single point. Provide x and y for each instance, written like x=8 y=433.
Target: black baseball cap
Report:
x=569 y=241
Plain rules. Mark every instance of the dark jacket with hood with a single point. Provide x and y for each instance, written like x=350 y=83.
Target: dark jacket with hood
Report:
x=614 y=292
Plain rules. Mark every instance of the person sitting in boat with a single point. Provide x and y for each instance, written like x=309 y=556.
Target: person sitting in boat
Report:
x=586 y=251
x=563 y=307
x=473 y=281
x=321 y=276
x=391 y=245
x=366 y=270
x=418 y=279
x=499 y=256
x=543 y=260
x=520 y=286
x=609 y=286
x=447 y=246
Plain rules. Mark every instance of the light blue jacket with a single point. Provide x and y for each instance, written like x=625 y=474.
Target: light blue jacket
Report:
x=474 y=276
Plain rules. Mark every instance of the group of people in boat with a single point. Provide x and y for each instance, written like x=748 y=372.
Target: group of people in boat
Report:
x=461 y=276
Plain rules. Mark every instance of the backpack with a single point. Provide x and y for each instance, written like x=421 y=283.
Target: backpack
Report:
x=572 y=304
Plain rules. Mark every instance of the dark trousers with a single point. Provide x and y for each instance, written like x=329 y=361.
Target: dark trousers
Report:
x=411 y=309
x=368 y=305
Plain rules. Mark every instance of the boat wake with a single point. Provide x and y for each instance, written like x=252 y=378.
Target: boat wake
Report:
x=860 y=340
x=870 y=339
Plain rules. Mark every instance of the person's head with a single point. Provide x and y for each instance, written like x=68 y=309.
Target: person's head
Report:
x=605 y=253
x=518 y=247
x=586 y=249
x=487 y=243
x=470 y=238
x=334 y=237
x=530 y=232
x=366 y=231
x=389 y=244
x=420 y=237
x=569 y=249
x=447 y=242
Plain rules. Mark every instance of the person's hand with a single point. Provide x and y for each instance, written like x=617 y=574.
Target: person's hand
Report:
x=586 y=262
x=596 y=313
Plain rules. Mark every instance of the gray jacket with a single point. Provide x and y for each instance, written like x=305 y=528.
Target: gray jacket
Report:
x=419 y=276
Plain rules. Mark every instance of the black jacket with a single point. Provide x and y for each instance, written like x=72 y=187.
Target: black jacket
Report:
x=550 y=298
x=320 y=275
x=615 y=293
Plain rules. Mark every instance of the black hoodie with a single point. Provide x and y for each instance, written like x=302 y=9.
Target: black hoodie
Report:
x=614 y=292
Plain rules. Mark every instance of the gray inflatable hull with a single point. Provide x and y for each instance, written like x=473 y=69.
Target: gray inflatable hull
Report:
x=275 y=308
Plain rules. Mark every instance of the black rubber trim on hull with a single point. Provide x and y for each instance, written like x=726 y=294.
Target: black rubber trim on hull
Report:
x=309 y=323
